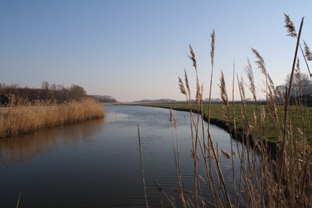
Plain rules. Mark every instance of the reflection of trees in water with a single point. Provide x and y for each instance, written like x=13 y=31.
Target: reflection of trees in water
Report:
x=24 y=147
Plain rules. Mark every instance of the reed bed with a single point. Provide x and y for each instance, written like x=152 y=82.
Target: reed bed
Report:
x=279 y=178
x=22 y=116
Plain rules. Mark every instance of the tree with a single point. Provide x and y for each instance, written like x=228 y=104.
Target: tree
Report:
x=76 y=92
x=301 y=85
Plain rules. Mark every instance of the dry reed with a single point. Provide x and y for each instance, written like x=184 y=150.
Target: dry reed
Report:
x=266 y=176
x=22 y=116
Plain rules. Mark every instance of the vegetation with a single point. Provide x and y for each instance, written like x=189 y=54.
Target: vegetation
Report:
x=25 y=114
x=48 y=91
x=268 y=129
x=104 y=98
x=263 y=179
x=155 y=101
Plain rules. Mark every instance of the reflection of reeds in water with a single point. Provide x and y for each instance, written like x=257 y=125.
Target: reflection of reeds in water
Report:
x=25 y=147
x=23 y=116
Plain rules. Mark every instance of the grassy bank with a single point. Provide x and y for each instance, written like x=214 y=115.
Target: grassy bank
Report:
x=22 y=116
x=268 y=129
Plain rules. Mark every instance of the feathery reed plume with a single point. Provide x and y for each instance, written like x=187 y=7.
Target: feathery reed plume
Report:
x=181 y=86
x=291 y=29
x=308 y=55
x=224 y=96
x=271 y=85
x=292 y=33
x=199 y=95
x=307 y=52
x=187 y=83
x=260 y=61
x=213 y=38
x=241 y=84
x=298 y=66
x=305 y=57
x=243 y=103
x=212 y=47
x=249 y=72
x=192 y=57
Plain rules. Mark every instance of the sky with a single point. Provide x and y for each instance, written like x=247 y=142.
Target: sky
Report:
x=137 y=49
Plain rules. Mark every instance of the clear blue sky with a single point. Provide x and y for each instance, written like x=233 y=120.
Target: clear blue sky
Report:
x=136 y=49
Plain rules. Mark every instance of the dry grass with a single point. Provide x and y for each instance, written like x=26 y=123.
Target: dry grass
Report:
x=22 y=116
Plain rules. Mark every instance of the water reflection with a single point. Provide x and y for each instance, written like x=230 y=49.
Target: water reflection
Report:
x=96 y=164
x=25 y=147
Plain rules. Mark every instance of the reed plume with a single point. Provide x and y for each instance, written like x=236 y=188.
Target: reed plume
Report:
x=181 y=87
x=224 y=96
x=250 y=76
x=291 y=29
x=192 y=57
x=213 y=35
x=308 y=53
x=187 y=83
x=260 y=61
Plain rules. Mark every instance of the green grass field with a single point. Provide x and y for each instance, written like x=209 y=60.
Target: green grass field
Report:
x=258 y=117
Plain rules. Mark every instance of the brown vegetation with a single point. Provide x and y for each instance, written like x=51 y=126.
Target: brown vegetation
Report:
x=22 y=116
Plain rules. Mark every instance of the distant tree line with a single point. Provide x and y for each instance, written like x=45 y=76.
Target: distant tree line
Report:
x=104 y=98
x=164 y=100
x=48 y=91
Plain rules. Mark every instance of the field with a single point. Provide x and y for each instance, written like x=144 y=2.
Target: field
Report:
x=300 y=117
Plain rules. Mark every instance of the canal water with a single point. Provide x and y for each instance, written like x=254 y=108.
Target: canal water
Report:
x=97 y=163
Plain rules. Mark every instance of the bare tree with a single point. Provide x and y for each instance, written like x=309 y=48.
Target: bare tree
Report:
x=301 y=84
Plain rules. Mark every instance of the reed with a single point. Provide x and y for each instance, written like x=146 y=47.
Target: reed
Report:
x=23 y=116
x=267 y=176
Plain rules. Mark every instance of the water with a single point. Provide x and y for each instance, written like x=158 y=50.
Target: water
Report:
x=97 y=163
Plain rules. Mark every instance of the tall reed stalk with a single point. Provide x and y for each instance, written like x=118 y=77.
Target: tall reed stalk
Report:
x=142 y=169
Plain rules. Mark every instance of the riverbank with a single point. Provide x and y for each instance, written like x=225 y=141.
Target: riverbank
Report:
x=26 y=116
x=267 y=127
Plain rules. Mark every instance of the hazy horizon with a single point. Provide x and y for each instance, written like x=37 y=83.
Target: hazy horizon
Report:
x=134 y=50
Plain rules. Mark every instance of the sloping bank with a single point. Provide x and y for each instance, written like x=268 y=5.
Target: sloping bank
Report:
x=239 y=134
x=26 y=117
